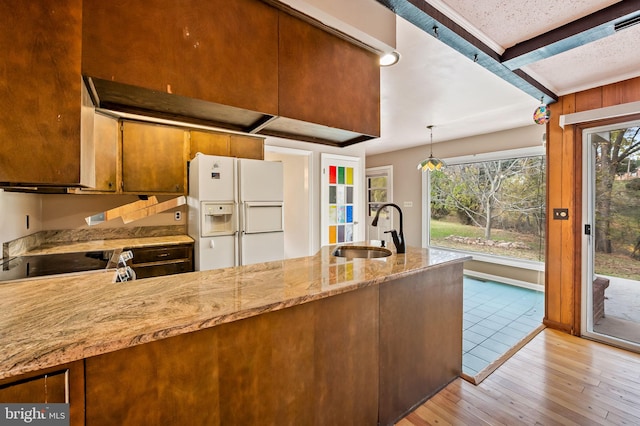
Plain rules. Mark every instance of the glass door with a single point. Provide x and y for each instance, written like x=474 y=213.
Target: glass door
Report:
x=341 y=199
x=611 y=228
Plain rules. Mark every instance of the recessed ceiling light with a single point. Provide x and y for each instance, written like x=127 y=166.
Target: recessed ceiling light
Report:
x=389 y=59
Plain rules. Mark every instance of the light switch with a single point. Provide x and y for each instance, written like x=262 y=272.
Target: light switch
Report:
x=561 y=214
x=407 y=204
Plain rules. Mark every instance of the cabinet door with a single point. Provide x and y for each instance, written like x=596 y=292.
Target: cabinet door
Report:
x=165 y=260
x=209 y=143
x=153 y=158
x=61 y=384
x=38 y=390
x=40 y=92
x=341 y=84
x=218 y=50
x=226 y=144
x=247 y=147
x=106 y=133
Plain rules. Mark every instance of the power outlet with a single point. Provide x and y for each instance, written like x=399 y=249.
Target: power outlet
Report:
x=177 y=215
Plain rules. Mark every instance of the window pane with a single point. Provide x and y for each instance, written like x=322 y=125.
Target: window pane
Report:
x=492 y=207
x=378 y=182
x=377 y=195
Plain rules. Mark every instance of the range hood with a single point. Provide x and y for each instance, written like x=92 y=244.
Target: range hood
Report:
x=119 y=97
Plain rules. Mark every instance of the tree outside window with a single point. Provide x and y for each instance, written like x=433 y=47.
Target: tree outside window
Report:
x=492 y=207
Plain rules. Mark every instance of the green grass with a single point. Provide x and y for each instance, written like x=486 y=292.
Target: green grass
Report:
x=442 y=229
x=616 y=265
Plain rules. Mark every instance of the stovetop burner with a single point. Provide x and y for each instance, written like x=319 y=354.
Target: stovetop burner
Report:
x=52 y=264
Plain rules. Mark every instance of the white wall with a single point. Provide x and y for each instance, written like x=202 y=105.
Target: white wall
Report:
x=297 y=196
x=315 y=179
x=407 y=184
x=14 y=209
x=68 y=211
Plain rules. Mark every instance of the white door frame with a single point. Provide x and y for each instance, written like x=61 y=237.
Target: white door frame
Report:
x=588 y=218
x=309 y=185
x=358 y=202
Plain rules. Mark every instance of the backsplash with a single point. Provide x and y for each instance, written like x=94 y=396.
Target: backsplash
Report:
x=21 y=245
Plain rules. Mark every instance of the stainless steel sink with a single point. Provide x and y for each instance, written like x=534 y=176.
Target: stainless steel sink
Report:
x=361 y=252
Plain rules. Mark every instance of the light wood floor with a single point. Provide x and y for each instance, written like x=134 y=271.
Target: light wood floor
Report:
x=556 y=379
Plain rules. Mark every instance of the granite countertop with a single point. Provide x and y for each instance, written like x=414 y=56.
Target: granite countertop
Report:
x=56 y=320
x=107 y=244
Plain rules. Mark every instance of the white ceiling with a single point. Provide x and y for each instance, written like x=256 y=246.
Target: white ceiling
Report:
x=435 y=85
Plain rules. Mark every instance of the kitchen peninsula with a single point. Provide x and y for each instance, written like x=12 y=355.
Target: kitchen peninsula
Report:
x=311 y=340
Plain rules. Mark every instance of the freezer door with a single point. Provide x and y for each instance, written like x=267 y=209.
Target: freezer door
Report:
x=265 y=247
x=260 y=180
x=262 y=216
x=212 y=178
x=216 y=252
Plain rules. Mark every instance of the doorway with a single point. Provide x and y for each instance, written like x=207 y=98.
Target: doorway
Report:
x=298 y=211
x=611 y=234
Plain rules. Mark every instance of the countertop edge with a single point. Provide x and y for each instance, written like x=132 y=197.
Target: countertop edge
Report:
x=81 y=349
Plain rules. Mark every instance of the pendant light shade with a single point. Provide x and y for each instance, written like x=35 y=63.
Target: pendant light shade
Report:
x=542 y=114
x=431 y=163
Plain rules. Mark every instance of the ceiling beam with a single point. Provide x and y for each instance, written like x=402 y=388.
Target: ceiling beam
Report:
x=426 y=17
x=590 y=28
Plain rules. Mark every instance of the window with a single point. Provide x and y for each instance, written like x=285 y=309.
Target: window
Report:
x=379 y=191
x=495 y=206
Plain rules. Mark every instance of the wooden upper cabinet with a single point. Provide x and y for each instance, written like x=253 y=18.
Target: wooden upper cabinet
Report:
x=326 y=80
x=153 y=158
x=218 y=51
x=106 y=133
x=226 y=144
x=209 y=143
x=246 y=147
x=41 y=92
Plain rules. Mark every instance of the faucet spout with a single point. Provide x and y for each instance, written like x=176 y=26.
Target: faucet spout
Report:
x=398 y=238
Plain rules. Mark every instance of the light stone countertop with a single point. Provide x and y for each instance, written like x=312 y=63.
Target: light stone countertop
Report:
x=51 y=321
x=108 y=244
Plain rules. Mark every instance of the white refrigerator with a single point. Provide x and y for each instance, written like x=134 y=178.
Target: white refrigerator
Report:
x=236 y=214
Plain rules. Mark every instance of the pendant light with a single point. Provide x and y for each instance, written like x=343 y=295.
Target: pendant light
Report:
x=542 y=114
x=431 y=163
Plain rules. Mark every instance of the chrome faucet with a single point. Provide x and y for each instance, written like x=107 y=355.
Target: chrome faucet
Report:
x=398 y=240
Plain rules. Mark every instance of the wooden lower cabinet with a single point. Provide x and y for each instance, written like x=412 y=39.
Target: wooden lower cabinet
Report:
x=315 y=363
x=60 y=384
x=163 y=260
x=365 y=357
x=420 y=338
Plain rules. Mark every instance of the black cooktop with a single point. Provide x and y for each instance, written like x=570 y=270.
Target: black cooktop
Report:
x=52 y=264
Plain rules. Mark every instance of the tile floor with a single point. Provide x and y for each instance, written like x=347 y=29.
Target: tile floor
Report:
x=496 y=317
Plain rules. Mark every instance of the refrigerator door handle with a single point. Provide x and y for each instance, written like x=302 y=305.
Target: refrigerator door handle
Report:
x=262 y=216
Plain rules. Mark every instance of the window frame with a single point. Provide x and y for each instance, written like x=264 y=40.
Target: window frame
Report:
x=386 y=171
x=476 y=158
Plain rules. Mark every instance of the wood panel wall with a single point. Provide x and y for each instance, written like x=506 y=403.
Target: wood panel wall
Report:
x=563 y=273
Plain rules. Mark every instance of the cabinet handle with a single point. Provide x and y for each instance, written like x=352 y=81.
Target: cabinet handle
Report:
x=163 y=255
